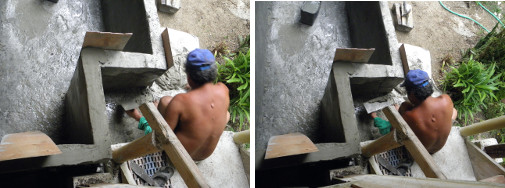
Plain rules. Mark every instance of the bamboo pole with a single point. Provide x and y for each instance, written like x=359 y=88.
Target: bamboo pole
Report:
x=488 y=125
x=138 y=148
x=241 y=137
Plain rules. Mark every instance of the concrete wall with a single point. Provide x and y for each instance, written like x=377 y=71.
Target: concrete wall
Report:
x=128 y=16
x=143 y=59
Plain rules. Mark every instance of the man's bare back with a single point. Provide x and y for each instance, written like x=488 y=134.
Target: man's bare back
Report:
x=431 y=120
x=198 y=117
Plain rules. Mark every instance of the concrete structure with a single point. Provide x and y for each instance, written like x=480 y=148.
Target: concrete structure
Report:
x=290 y=50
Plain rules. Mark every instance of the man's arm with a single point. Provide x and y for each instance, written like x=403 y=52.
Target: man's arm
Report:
x=406 y=106
x=174 y=111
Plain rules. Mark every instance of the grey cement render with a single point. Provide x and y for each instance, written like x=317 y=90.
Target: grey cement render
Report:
x=224 y=168
x=293 y=63
x=452 y=159
x=40 y=44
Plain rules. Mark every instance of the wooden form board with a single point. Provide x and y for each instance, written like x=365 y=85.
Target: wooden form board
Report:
x=483 y=165
x=106 y=40
x=289 y=144
x=173 y=147
x=413 y=144
x=26 y=145
x=355 y=55
x=166 y=47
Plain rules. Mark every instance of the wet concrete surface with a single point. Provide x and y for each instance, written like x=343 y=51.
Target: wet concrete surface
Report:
x=40 y=43
x=293 y=62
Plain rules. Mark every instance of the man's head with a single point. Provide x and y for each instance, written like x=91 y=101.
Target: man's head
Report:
x=201 y=67
x=417 y=83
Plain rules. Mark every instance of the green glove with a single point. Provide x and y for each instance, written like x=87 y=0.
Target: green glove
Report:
x=383 y=125
x=143 y=125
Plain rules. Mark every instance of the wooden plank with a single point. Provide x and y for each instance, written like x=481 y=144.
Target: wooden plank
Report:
x=106 y=40
x=26 y=145
x=139 y=147
x=173 y=147
x=374 y=166
x=378 y=181
x=327 y=152
x=166 y=47
x=382 y=144
x=484 y=126
x=289 y=144
x=355 y=55
x=495 y=151
x=483 y=165
x=405 y=61
x=413 y=145
x=495 y=179
x=127 y=175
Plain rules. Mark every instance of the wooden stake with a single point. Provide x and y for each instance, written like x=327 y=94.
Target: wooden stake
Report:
x=488 y=125
x=173 y=147
x=413 y=145
x=140 y=147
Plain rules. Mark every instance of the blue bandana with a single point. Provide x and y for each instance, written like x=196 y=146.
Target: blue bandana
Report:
x=201 y=59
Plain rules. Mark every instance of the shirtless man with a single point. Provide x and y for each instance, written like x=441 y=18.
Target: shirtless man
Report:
x=198 y=118
x=429 y=117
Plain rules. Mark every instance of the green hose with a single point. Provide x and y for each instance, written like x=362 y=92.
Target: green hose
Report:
x=462 y=16
x=491 y=14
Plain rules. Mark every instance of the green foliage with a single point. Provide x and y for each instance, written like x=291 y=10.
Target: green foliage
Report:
x=472 y=85
x=491 y=49
x=235 y=74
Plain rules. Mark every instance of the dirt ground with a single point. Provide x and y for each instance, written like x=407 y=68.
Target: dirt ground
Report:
x=212 y=21
x=443 y=33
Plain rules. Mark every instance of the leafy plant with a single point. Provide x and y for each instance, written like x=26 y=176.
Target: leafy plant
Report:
x=236 y=75
x=470 y=85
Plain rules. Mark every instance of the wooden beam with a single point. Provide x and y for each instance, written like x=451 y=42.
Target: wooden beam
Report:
x=138 y=148
x=378 y=181
x=354 y=55
x=405 y=61
x=483 y=165
x=382 y=144
x=173 y=147
x=495 y=179
x=484 y=126
x=413 y=145
x=166 y=47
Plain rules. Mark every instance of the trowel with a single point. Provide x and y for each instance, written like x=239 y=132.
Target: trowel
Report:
x=289 y=144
